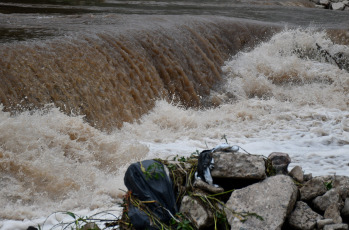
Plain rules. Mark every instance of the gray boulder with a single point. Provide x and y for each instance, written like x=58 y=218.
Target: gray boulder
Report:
x=303 y=217
x=280 y=162
x=330 y=197
x=272 y=199
x=201 y=216
x=238 y=166
x=313 y=188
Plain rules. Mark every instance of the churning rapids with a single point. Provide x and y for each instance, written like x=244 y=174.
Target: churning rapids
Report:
x=88 y=88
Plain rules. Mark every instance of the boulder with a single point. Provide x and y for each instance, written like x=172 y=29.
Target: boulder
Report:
x=336 y=227
x=238 y=166
x=280 y=162
x=313 y=188
x=303 y=217
x=201 y=216
x=330 y=197
x=338 y=6
x=272 y=199
x=332 y=212
x=297 y=174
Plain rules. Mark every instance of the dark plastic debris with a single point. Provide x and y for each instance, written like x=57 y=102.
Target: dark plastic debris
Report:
x=151 y=184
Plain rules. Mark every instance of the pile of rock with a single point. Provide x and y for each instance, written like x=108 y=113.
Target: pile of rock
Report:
x=280 y=201
x=332 y=4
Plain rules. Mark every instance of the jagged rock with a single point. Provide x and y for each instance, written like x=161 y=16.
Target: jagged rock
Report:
x=273 y=199
x=324 y=2
x=201 y=216
x=336 y=227
x=297 y=174
x=238 y=166
x=206 y=187
x=313 y=188
x=303 y=217
x=321 y=223
x=337 y=6
x=330 y=197
x=332 y=212
x=280 y=162
x=345 y=209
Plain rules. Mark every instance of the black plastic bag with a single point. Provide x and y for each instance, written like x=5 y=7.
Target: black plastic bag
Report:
x=148 y=181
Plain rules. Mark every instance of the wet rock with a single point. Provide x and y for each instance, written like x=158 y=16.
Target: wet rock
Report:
x=338 y=6
x=330 y=197
x=206 y=187
x=303 y=217
x=272 y=199
x=280 y=162
x=201 y=216
x=336 y=227
x=297 y=174
x=321 y=223
x=332 y=212
x=313 y=188
x=238 y=166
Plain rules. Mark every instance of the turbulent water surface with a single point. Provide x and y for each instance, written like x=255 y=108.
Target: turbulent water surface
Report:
x=88 y=87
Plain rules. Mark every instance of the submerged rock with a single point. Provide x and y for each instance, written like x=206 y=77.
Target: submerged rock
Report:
x=272 y=199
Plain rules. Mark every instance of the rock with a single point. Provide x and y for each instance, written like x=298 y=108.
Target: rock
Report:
x=321 y=223
x=332 y=212
x=280 y=162
x=346 y=2
x=206 y=187
x=90 y=226
x=238 y=166
x=297 y=174
x=303 y=217
x=272 y=199
x=324 y=2
x=330 y=197
x=307 y=177
x=345 y=209
x=338 y=6
x=201 y=216
x=313 y=188
x=336 y=227
x=31 y=228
